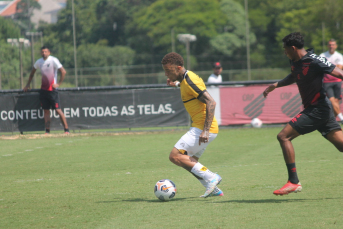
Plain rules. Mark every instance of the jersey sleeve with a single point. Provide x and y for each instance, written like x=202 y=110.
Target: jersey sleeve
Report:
x=324 y=65
x=36 y=65
x=340 y=60
x=196 y=85
x=57 y=63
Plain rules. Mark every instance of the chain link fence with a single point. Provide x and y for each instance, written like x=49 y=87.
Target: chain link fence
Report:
x=151 y=73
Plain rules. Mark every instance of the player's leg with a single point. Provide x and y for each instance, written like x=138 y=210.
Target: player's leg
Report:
x=333 y=95
x=55 y=100
x=217 y=191
x=180 y=158
x=300 y=124
x=336 y=138
x=45 y=103
x=47 y=120
x=182 y=155
x=335 y=105
x=63 y=120
x=332 y=131
x=285 y=137
x=337 y=86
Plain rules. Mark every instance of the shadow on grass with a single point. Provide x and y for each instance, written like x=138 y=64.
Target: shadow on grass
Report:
x=273 y=200
x=144 y=200
x=264 y=201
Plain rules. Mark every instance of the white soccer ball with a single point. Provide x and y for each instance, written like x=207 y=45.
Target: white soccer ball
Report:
x=165 y=190
x=256 y=123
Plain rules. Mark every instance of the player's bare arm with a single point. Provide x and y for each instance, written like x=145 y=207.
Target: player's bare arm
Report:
x=288 y=80
x=337 y=72
x=30 y=79
x=210 y=108
x=63 y=73
x=173 y=84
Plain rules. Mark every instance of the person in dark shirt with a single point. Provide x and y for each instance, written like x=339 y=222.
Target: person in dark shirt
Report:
x=307 y=71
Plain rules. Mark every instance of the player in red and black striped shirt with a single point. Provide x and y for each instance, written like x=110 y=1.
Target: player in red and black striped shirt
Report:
x=307 y=71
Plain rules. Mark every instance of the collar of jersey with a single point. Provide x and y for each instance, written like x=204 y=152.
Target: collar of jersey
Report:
x=184 y=74
x=46 y=58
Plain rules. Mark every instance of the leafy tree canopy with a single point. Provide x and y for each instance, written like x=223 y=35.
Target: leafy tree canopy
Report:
x=8 y=29
x=234 y=36
x=154 y=23
x=24 y=12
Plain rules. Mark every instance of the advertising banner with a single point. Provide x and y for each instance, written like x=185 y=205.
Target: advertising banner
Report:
x=96 y=110
x=239 y=105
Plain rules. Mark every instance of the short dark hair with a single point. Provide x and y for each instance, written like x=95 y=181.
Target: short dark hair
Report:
x=172 y=58
x=294 y=39
x=44 y=47
x=332 y=40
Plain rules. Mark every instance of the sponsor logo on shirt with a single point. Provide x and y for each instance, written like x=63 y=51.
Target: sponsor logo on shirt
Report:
x=321 y=59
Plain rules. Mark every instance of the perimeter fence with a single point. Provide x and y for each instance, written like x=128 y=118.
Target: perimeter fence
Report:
x=233 y=70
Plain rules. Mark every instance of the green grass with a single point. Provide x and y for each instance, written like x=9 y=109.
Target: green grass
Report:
x=107 y=181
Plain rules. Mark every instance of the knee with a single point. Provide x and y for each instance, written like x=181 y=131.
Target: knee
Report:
x=175 y=157
x=280 y=137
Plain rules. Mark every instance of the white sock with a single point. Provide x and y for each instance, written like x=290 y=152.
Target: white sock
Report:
x=203 y=182
x=340 y=116
x=203 y=172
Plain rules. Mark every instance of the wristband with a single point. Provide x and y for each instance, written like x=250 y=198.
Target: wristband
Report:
x=177 y=84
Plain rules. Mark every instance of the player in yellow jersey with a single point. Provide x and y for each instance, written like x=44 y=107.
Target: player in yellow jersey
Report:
x=200 y=106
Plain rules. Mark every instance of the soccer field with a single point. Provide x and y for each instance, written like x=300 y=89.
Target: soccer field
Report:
x=107 y=181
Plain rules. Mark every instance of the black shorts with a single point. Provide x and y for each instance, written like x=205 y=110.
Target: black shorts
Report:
x=305 y=123
x=333 y=89
x=49 y=99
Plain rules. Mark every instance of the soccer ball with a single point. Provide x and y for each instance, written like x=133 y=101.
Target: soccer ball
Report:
x=256 y=123
x=165 y=190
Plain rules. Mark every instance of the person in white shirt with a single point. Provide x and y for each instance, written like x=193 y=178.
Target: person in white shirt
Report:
x=216 y=77
x=331 y=84
x=48 y=94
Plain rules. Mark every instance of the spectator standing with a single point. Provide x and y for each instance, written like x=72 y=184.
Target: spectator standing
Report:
x=48 y=94
x=216 y=76
x=333 y=85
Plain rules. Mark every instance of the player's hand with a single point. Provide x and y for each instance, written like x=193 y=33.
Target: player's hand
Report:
x=204 y=137
x=26 y=88
x=269 y=89
x=171 y=83
x=55 y=85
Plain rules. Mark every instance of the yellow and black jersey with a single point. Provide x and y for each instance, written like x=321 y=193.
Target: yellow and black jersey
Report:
x=192 y=87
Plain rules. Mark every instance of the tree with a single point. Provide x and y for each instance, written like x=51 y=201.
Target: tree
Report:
x=150 y=28
x=9 y=55
x=233 y=37
x=8 y=29
x=317 y=20
x=24 y=12
x=112 y=16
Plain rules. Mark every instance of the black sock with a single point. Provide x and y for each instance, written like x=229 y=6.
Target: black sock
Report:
x=66 y=130
x=292 y=173
x=47 y=130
